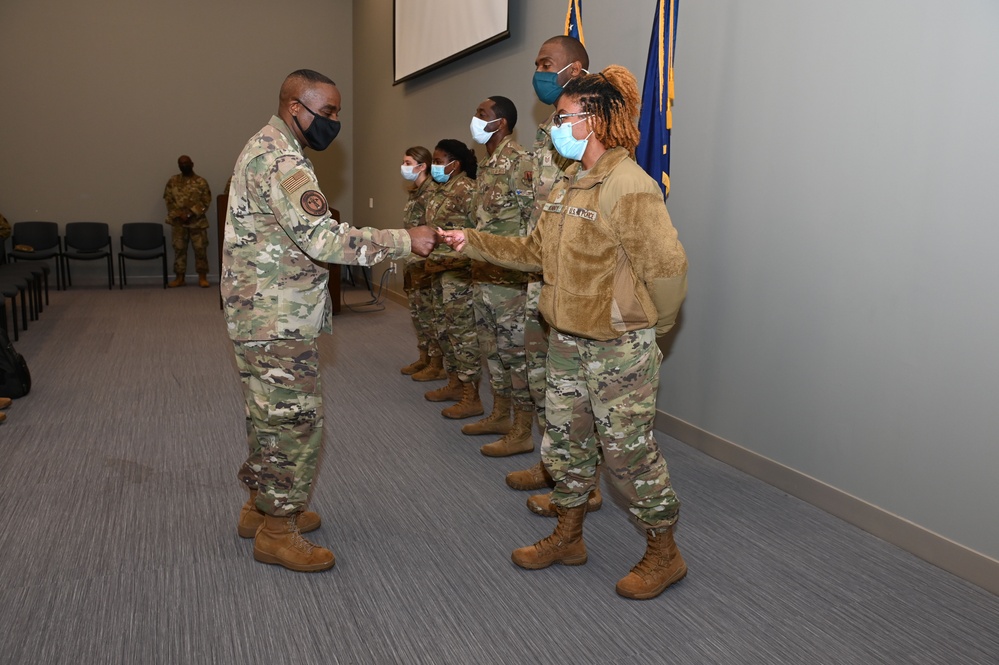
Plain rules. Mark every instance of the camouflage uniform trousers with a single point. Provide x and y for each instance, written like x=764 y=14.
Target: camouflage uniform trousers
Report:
x=459 y=323
x=536 y=349
x=437 y=304
x=419 y=292
x=610 y=386
x=199 y=240
x=284 y=421
x=499 y=320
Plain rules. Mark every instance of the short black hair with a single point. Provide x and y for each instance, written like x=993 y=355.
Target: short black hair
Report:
x=504 y=108
x=455 y=149
x=311 y=76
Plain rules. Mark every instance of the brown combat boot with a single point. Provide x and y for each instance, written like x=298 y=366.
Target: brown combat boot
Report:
x=533 y=478
x=434 y=371
x=449 y=393
x=541 y=504
x=251 y=517
x=203 y=280
x=280 y=542
x=470 y=404
x=5 y=402
x=564 y=546
x=179 y=281
x=414 y=367
x=3 y=417
x=661 y=566
x=517 y=441
x=497 y=422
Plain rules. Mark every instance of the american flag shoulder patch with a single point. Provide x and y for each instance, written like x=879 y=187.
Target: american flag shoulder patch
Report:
x=295 y=181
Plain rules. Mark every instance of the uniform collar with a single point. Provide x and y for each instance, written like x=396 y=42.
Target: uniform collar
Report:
x=600 y=170
x=280 y=125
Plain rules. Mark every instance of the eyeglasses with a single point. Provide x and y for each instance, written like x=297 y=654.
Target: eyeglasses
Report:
x=559 y=119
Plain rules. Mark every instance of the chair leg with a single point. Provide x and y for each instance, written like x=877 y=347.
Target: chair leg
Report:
x=110 y=273
x=164 y=271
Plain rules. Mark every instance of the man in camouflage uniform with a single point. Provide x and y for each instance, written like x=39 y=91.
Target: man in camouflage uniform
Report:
x=504 y=202
x=187 y=199
x=278 y=230
x=559 y=59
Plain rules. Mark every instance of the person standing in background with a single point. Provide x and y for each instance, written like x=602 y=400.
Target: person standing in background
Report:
x=504 y=202
x=416 y=282
x=453 y=207
x=560 y=59
x=187 y=199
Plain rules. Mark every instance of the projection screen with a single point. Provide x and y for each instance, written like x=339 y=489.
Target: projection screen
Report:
x=431 y=33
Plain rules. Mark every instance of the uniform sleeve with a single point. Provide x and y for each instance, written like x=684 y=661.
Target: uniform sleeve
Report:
x=647 y=235
x=303 y=212
x=513 y=252
x=204 y=196
x=523 y=188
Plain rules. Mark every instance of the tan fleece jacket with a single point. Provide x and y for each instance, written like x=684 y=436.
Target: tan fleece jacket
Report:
x=607 y=248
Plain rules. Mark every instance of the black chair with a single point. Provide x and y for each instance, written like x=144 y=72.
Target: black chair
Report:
x=45 y=243
x=12 y=286
x=87 y=241
x=141 y=241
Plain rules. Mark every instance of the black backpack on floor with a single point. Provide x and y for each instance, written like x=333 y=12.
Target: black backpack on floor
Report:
x=15 y=380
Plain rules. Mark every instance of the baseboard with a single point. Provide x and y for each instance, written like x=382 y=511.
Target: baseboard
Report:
x=953 y=557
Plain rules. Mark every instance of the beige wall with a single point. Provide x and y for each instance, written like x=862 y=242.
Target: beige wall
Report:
x=100 y=98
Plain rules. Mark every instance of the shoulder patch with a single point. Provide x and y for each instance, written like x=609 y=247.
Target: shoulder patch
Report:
x=295 y=181
x=314 y=203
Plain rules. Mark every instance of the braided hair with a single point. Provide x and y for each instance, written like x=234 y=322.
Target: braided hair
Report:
x=612 y=97
x=455 y=149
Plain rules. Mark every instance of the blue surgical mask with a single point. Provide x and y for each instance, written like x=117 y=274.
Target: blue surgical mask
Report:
x=568 y=145
x=546 y=85
x=437 y=172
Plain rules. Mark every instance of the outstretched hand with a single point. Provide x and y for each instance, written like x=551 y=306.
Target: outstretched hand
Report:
x=423 y=240
x=454 y=238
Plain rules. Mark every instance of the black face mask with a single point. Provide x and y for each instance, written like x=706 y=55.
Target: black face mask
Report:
x=187 y=170
x=321 y=132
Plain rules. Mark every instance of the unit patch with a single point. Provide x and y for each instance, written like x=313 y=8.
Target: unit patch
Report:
x=314 y=203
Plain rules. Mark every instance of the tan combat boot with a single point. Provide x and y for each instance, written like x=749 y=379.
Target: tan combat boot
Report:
x=5 y=402
x=564 y=546
x=661 y=566
x=449 y=393
x=3 y=417
x=533 y=478
x=179 y=281
x=414 y=367
x=203 y=280
x=497 y=422
x=470 y=404
x=541 y=504
x=518 y=440
x=434 y=371
x=251 y=517
x=280 y=542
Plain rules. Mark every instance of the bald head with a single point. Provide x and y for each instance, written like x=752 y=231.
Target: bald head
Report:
x=306 y=94
x=571 y=48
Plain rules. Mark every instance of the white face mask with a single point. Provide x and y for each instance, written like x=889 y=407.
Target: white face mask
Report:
x=409 y=172
x=478 y=127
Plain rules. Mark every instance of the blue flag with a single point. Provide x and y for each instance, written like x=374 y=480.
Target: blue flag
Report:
x=656 y=120
x=574 y=20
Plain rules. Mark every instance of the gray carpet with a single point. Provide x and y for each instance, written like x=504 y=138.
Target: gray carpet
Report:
x=118 y=535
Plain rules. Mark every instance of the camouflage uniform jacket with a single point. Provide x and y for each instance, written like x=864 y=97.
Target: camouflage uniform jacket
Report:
x=612 y=262
x=415 y=213
x=548 y=167
x=504 y=204
x=277 y=228
x=185 y=194
x=451 y=207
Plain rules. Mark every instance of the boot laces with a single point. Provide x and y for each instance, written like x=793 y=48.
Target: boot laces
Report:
x=298 y=541
x=656 y=557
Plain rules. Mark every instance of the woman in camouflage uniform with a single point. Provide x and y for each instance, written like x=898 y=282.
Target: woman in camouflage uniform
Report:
x=614 y=278
x=416 y=282
x=453 y=207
